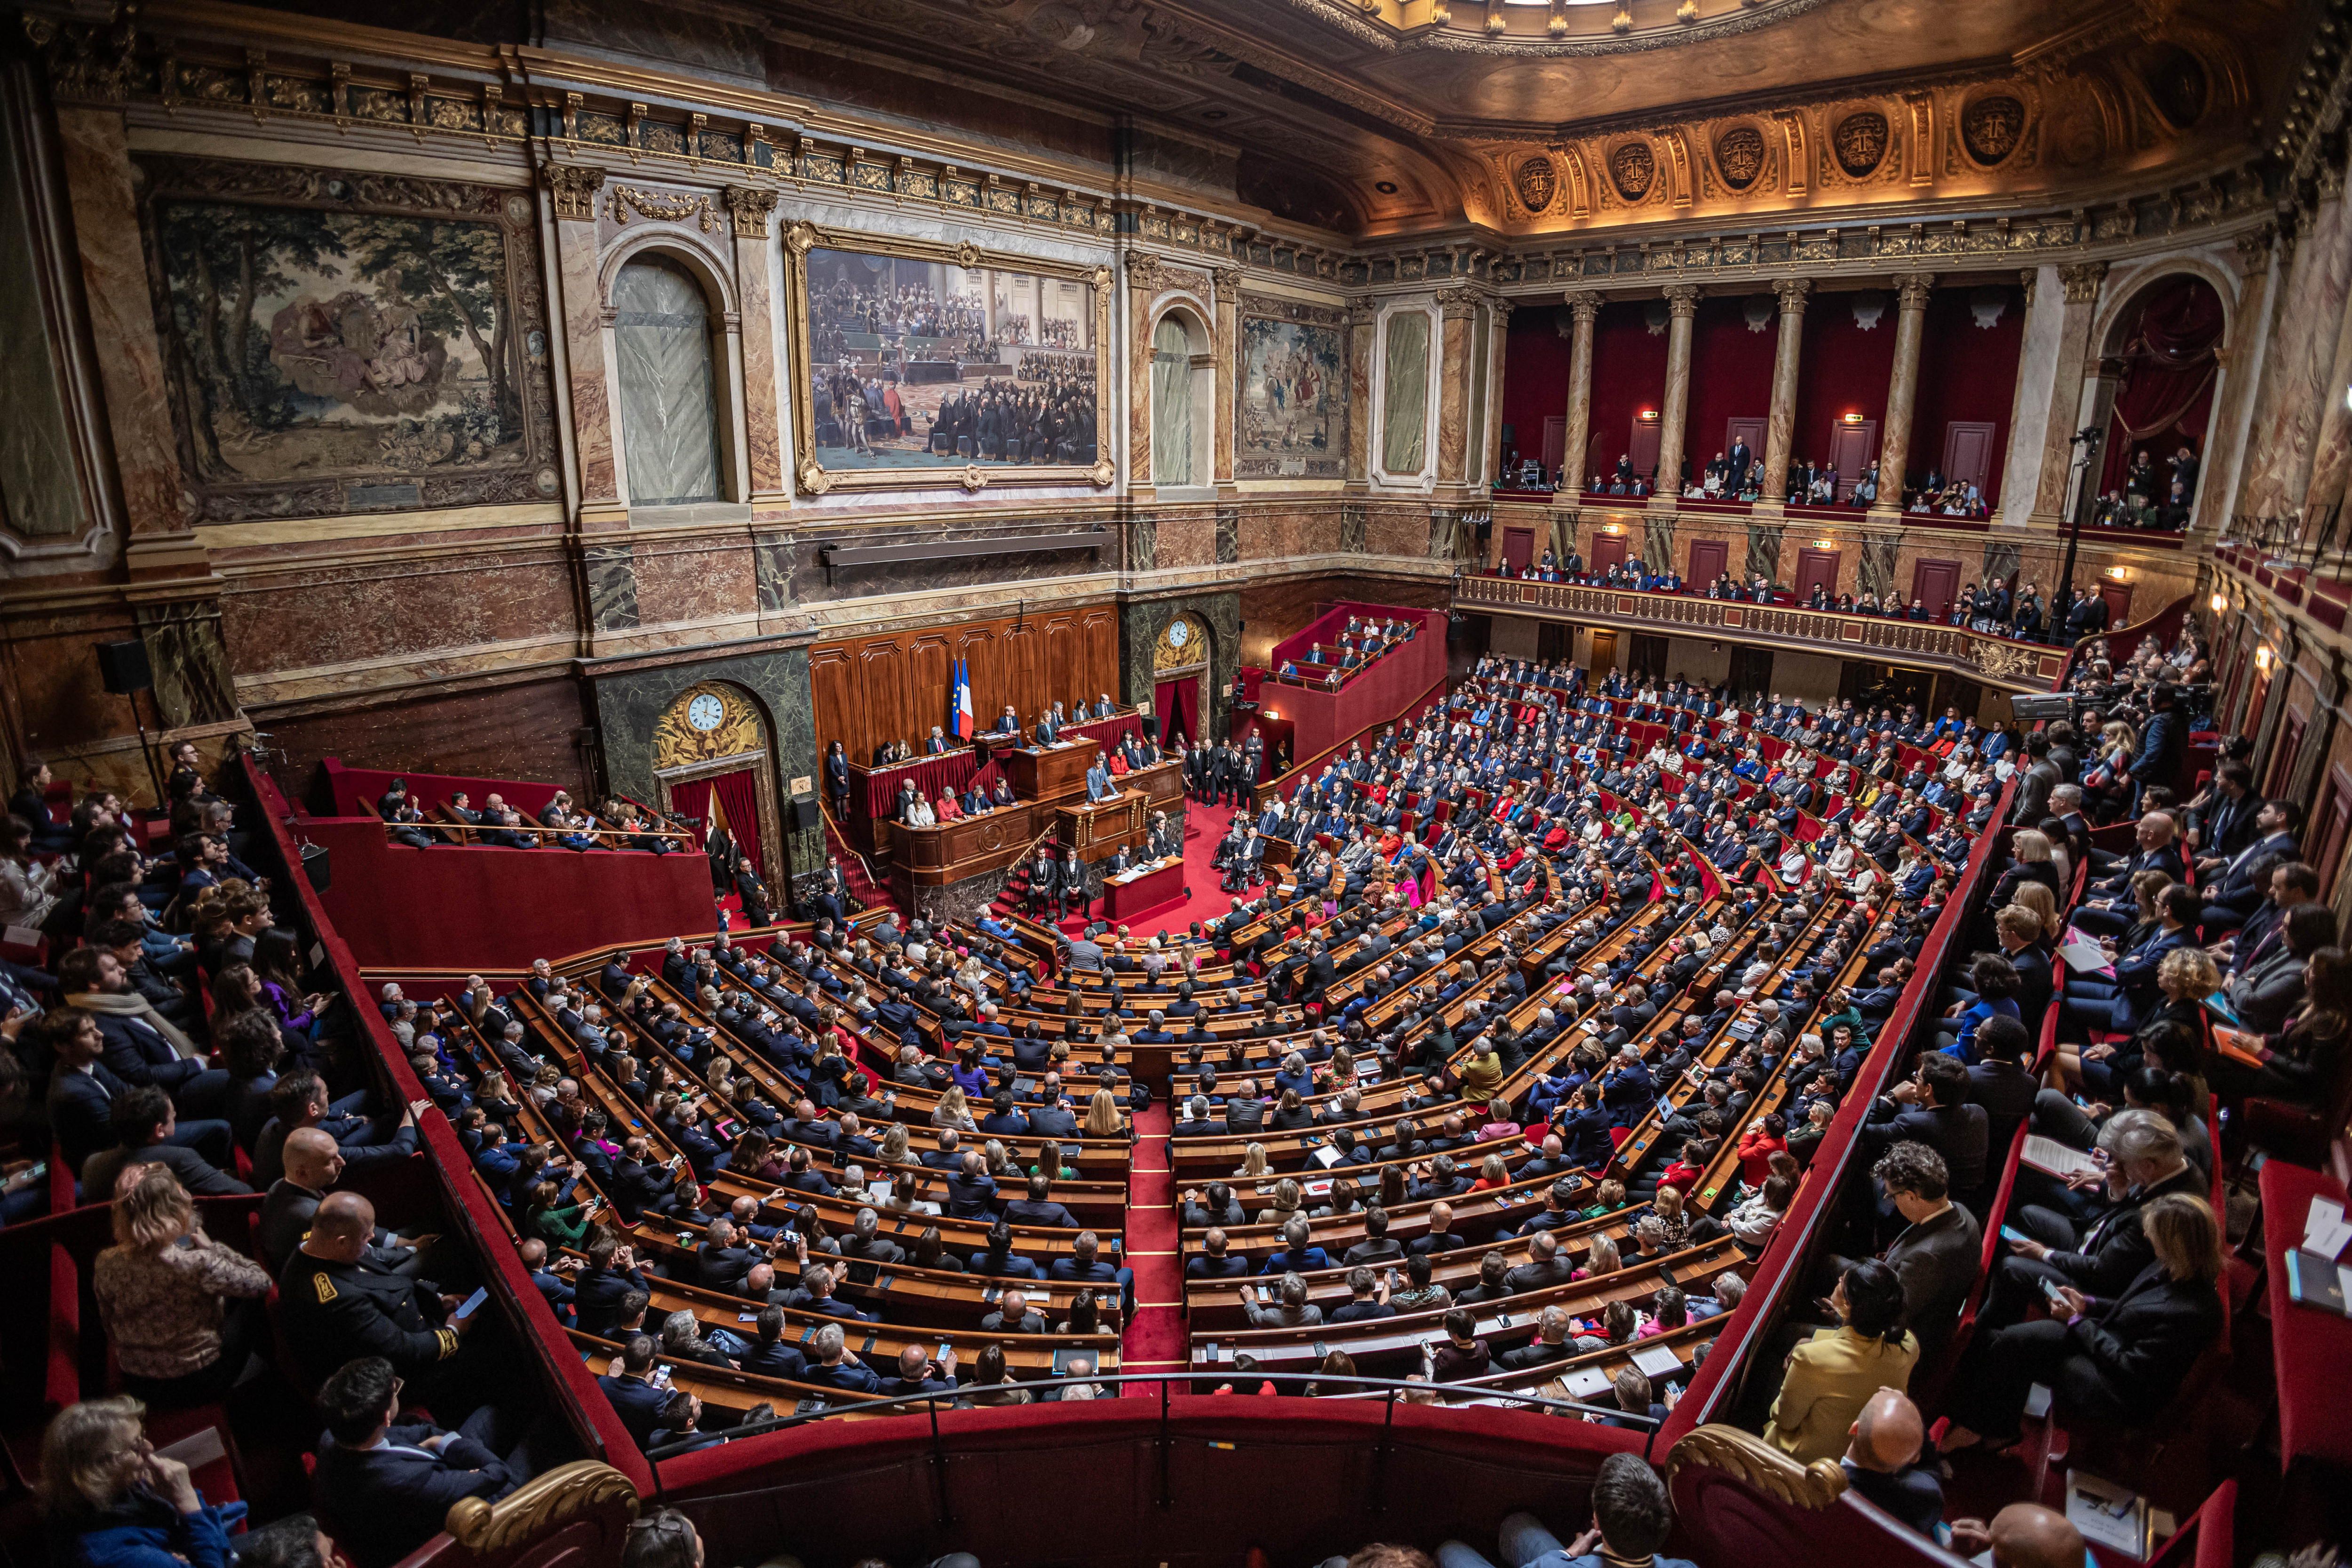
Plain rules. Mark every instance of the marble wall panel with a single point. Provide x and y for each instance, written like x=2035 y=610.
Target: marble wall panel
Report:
x=336 y=613
x=527 y=730
x=1187 y=540
x=694 y=579
x=611 y=571
x=2302 y=355
x=1140 y=623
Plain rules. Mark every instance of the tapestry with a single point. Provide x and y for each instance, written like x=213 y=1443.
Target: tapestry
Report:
x=339 y=343
x=1291 y=421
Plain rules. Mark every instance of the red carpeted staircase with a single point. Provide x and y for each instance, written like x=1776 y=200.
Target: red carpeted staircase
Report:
x=853 y=868
x=1154 y=1341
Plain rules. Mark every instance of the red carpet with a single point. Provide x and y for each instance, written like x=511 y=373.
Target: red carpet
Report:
x=1154 y=1341
x=1204 y=829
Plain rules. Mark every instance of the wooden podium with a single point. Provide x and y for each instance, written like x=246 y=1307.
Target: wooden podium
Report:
x=1096 y=829
x=1043 y=774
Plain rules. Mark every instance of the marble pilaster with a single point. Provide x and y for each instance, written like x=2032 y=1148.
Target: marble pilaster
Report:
x=1458 y=311
x=1363 y=311
x=2029 y=400
x=2297 y=386
x=1498 y=337
x=1902 y=393
x=1142 y=284
x=96 y=154
x=1682 y=310
x=762 y=386
x=1584 y=306
x=574 y=192
x=1781 y=423
x=2244 y=357
x=2079 y=282
x=1228 y=353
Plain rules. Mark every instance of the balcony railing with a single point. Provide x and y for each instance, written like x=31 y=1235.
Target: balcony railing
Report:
x=2000 y=661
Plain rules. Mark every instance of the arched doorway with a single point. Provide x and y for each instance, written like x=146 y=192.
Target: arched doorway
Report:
x=1183 y=402
x=714 y=763
x=1180 y=679
x=2163 y=356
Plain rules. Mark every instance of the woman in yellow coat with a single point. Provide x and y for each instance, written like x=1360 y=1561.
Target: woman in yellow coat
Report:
x=1833 y=1375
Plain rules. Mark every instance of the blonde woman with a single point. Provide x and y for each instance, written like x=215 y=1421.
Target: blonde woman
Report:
x=1254 y=1164
x=2029 y=862
x=164 y=1289
x=2038 y=900
x=108 y=1498
x=1103 y=1119
x=893 y=1151
x=1286 y=1201
x=1601 y=1257
x=952 y=1111
x=1666 y=1207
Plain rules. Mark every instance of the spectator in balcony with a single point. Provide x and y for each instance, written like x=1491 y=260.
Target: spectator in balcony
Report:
x=110 y=1500
x=1632 y=1518
x=179 y=1310
x=385 y=1489
x=1832 y=1376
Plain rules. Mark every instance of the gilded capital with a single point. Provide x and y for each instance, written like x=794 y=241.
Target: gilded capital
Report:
x=2026 y=279
x=1229 y=281
x=1584 y=304
x=1143 y=271
x=573 y=187
x=1912 y=289
x=1363 y=310
x=1792 y=293
x=1458 y=304
x=750 y=204
x=2082 y=279
x=1681 y=299
x=2255 y=251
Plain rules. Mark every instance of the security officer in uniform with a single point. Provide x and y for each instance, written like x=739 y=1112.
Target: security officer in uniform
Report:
x=335 y=1307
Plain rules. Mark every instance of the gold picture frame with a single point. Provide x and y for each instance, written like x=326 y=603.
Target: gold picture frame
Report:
x=928 y=470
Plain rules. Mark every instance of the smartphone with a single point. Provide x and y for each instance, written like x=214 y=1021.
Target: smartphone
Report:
x=942 y=1351
x=466 y=1308
x=2050 y=1290
x=39 y=1168
x=2010 y=1233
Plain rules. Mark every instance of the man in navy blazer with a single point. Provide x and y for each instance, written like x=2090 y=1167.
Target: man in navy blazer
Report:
x=637 y=1399
x=382 y=1489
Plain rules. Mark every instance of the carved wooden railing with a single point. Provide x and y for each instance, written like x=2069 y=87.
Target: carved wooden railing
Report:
x=575 y=1516
x=1999 y=661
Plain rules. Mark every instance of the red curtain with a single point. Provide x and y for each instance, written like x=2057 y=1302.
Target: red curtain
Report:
x=1174 y=702
x=2167 y=390
x=739 y=799
x=692 y=800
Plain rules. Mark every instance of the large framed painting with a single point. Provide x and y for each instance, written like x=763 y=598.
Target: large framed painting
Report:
x=925 y=363
x=339 y=341
x=1291 y=420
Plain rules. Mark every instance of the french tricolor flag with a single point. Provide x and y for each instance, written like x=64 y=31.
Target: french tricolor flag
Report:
x=960 y=702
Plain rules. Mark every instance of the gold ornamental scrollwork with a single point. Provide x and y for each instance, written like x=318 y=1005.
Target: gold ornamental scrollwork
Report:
x=661 y=208
x=707 y=721
x=541 y=1506
x=1758 y=1464
x=800 y=237
x=1103 y=473
x=571 y=188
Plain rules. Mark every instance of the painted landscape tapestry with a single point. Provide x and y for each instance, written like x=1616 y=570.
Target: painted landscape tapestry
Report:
x=340 y=344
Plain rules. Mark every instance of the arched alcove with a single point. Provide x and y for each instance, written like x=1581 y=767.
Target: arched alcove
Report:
x=714 y=761
x=2160 y=361
x=1183 y=401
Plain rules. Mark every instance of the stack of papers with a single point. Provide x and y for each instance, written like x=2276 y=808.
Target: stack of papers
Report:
x=2083 y=956
x=1658 y=1360
x=2324 y=1229
x=2108 y=1515
x=2053 y=1158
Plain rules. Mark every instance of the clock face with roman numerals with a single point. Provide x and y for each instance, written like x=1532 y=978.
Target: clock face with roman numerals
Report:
x=1179 y=633
x=706 y=712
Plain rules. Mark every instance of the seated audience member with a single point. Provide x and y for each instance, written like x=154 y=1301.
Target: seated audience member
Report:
x=179 y=1310
x=331 y=1302
x=110 y=1500
x=1632 y=1518
x=2115 y=1358
x=382 y=1488
x=1832 y=1376
x=1882 y=1461
x=2023 y=1535
x=1937 y=1253
x=144 y=1123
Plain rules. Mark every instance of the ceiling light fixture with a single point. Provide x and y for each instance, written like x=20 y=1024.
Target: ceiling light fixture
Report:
x=1386 y=187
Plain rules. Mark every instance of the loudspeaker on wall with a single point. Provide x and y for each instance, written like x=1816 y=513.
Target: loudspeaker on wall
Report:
x=123 y=666
x=804 y=813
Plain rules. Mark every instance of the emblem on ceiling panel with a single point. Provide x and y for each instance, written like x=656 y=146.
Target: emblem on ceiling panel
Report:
x=1537 y=182
x=1861 y=143
x=1992 y=127
x=1739 y=156
x=1632 y=168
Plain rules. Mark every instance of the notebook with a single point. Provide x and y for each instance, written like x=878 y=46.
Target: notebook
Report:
x=2053 y=1158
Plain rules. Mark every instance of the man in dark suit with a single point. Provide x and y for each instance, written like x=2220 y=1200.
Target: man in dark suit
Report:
x=141 y=1046
x=637 y=1398
x=2237 y=887
x=142 y=1117
x=2101 y=1257
x=383 y=1489
x=82 y=1091
x=313 y=1165
x=2231 y=824
x=1936 y=1253
x=2292 y=884
x=2003 y=1082
x=1198 y=1122
x=1039 y=1208
x=1217 y=1206
x=609 y=1278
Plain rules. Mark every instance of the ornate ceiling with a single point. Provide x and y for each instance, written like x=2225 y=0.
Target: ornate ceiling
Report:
x=1382 y=117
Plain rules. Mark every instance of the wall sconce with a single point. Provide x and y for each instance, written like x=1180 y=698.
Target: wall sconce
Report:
x=1854 y=416
x=2221 y=602
x=2264 y=658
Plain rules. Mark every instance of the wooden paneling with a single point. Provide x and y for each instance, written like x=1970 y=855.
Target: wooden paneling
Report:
x=528 y=732
x=1708 y=559
x=1933 y=583
x=894 y=686
x=1816 y=568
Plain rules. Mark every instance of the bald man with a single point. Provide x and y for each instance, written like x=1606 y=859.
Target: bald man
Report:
x=334 y=1306
x=2023 y=1535
x=314 y=1162
x=1882 y=1462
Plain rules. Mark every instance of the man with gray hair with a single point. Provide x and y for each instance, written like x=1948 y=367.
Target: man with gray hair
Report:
x=835 y=1365
x=2096 y=1246
x=1291 y=1309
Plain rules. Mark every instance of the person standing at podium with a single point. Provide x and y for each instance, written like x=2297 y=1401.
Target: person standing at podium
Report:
x=1100 y=786
x=1049 y=729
